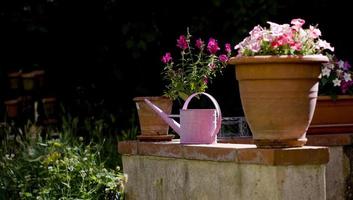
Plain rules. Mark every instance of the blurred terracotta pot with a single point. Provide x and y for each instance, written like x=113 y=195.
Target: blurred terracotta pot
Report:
x=14 y=80
x=152 y=127
x=39 y=78
x=332 y=116
x=28 y=80
x=49 y=106
x=278 y=95
x=12 y=107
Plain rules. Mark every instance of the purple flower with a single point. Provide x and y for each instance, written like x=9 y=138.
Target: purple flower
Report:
x=346 y=66
x=228 y=48
x=199 y=43
x=223 y=58
x=182 y=43
x=212 y=46
x=166 y=58
x=345 y=85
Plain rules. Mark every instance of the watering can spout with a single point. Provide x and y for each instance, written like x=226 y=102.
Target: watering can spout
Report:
x=172 y=123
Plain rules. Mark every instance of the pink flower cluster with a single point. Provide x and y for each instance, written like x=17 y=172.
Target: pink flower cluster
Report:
x=283 y=39
x=212 y=48
x=198 y=63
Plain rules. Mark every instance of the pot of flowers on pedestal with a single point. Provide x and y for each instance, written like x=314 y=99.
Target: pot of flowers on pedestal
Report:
x=334 y=108
x=197 y=64
x=278 y=71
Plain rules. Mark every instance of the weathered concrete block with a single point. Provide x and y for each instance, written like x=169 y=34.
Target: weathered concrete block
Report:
x=166 y=177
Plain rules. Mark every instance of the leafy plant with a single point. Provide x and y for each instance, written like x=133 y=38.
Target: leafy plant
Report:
x=65 y=168
x=197 y=65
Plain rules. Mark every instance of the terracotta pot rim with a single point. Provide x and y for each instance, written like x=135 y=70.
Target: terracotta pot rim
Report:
x=39 y=72
x=141 y=98
x=14 y=74
x=278 y=59
x=28 y=75
x=48 y=99
x=12 y=101
x=327 y=97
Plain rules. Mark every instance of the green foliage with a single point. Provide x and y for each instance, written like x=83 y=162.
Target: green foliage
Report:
x=198 y=64
x=56 y=169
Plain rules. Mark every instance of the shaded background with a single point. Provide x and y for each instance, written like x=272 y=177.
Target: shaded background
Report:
x=100 y=54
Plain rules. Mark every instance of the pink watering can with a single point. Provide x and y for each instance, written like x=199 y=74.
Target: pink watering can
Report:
x=198 y=126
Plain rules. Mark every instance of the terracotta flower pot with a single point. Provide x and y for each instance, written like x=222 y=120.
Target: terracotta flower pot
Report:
x=40 y=78
x=49 y=106
x=13 y=107
x=278 y=95
x=152 y=127
x=14 y=80
x=332 y=116
x=28 y=80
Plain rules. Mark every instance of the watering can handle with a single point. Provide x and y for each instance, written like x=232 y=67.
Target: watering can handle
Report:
x=215 y=103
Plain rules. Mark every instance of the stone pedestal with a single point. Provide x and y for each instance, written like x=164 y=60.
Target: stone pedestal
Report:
x=339 y=173
x=169 y=170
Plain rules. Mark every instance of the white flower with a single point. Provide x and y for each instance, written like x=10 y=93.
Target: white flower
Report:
x=329 y=65
x=83 y=173
x=347 y=77
x=336 y=82
x=279 y=29
x=325 y=45
x=80 y=138
x=340 y=64
x=326 y=72
x=70 y=168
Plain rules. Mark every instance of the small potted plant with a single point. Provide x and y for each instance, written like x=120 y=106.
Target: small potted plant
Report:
x=197 y=65
x=190 y=73
x=278 y=71
x=334 y=108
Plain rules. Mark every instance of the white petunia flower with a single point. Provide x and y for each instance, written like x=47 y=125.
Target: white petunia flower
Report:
x=326 y=72
x=336 y=82
x=347 y=77
x=340 y=64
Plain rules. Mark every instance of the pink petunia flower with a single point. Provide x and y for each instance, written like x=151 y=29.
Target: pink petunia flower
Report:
x=182 y=43
x=212 y=46
x=228 y=48
x=166 y=58
x=211 y=65
x=223 y=58
x=205 y=80
x=297 y=23
x=199 y=43
x=314 y=32
x=297 y=46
